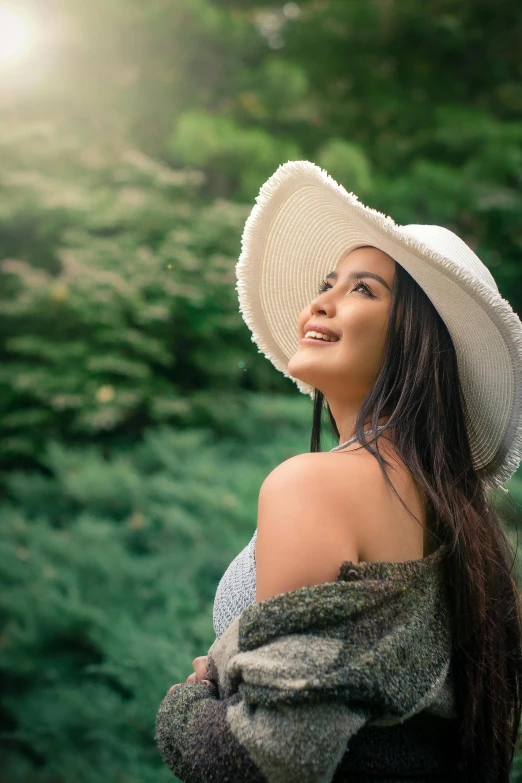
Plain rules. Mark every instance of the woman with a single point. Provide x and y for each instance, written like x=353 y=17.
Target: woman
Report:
x=368 y=634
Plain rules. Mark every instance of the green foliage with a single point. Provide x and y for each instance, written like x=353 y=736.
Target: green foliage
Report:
x=346 y=163
x=238 y=158
x=127 y=308
x=108 y=569
x=119 y=214
x=280 y=87
x=133 y=141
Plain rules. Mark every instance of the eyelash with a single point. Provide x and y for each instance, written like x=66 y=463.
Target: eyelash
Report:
x=324 y=284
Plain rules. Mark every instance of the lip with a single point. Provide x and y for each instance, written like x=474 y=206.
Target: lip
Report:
x=315 y=341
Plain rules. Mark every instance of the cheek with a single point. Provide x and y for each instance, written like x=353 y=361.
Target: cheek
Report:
x=302 y=319
x=364 y=334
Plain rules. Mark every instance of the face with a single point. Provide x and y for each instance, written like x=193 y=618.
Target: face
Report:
x=357 y=311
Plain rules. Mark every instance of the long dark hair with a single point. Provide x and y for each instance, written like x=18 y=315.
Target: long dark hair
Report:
x=418 y=387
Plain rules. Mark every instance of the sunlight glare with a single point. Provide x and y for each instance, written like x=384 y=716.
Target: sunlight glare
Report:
x=14 y=34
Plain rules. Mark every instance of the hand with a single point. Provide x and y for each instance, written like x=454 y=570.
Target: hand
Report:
x=198 y=675
x=200 y=669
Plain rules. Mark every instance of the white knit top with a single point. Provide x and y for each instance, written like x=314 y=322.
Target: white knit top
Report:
x=236 y=589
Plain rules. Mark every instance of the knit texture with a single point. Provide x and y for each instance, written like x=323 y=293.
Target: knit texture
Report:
x=236 y=589
x=343 y=681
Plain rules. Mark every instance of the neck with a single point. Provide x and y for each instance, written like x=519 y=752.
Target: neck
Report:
x=348 y=433
x=352 y=439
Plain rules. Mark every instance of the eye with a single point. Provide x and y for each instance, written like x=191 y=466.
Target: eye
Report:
x=324 y=285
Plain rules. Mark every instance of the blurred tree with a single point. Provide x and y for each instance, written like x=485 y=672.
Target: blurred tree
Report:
x=108 y=569
x=122 y=311
x=236 y=159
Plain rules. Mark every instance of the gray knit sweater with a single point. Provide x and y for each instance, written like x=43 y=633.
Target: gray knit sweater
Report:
x=343 y=681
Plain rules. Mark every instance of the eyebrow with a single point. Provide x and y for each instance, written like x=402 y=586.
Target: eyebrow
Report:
x=358 y=275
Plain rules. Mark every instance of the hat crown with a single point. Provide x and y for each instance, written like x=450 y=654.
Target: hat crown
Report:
x=446 y=243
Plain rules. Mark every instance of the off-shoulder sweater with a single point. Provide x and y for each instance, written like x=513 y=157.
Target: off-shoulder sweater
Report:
x=343 y=681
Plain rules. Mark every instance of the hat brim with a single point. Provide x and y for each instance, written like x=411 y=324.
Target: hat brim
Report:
x=304 y=223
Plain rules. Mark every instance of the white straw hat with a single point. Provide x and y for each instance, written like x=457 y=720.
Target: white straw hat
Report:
x=304 y=223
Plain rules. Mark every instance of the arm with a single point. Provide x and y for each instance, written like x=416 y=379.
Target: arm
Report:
x=205 y=739
x=304 y=527
x=284 y=705
x=195 y=741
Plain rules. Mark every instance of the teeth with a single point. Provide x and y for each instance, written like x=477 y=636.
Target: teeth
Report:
x=321 y=336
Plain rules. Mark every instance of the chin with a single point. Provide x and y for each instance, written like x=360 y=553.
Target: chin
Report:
x=303 y=373
x=293 y=368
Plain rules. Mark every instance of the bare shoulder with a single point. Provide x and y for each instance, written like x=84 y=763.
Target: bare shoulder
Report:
x=388 y=530
x=316 y=510
x=305 y=526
